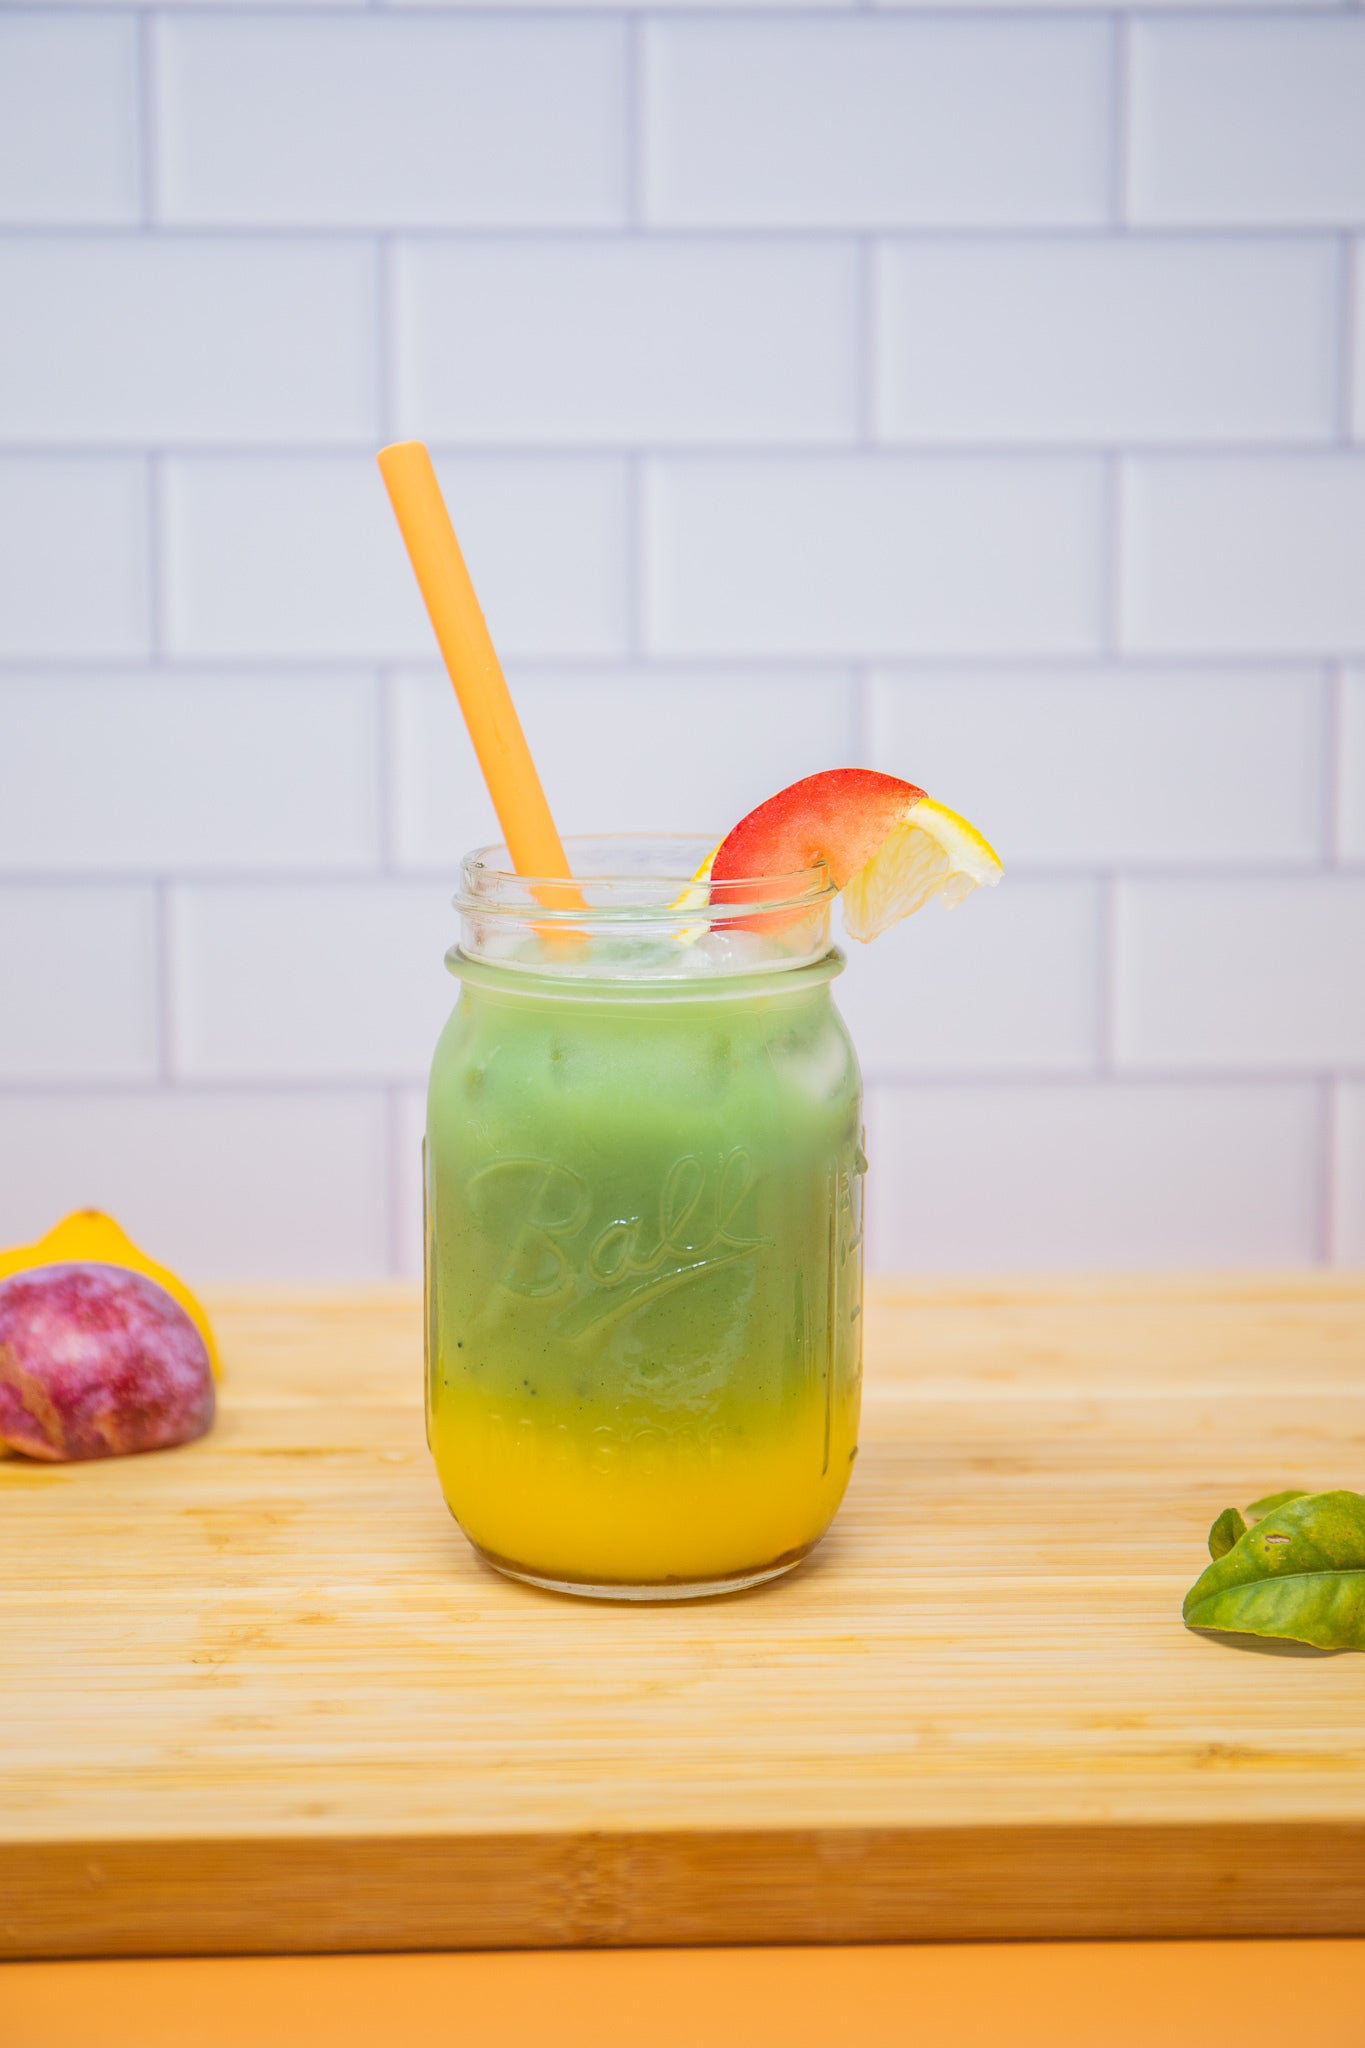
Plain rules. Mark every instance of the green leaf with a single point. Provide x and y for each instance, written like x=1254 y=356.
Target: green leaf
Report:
x=1298 y=1573
x=1272 y=1501
x=1225 y=1533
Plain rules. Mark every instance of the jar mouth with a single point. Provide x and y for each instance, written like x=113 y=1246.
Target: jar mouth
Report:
x=623 y=874
x=638 y=909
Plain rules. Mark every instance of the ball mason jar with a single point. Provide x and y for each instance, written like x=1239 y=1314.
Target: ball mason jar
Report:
x=643 y=1176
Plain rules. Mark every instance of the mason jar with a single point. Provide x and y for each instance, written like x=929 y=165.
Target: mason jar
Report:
x=644 y=1174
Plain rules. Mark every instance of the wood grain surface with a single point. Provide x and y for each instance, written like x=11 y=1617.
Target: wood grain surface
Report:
x=258 y=1695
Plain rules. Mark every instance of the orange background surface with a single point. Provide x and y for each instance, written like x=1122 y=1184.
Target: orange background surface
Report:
x=1024 y=1995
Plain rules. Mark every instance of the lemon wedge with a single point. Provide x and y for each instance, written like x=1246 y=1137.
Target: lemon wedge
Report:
x=696 y=896
x=931 y=852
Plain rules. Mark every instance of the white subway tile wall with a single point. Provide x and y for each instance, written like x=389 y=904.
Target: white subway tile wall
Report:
x=1014 y=988
x=70 y=115
x=627 y=340
x=1351 y=769
x=247 y=1183
x=299 y=556
x=1248 y=122
x=129 y=339
x=406 y=1138
x=349 y=121
x=1237 y=976
x=1348 y=1205
x=1093 y=1175
x=81 y=981
x=1137 y=768
x=145 y=775
x=875 y=554
x=973 y=390
x=75 y=557
x=1154 y=340
x=862 y=124
x=638 y=747
x=346 y=981
x=1250 y=554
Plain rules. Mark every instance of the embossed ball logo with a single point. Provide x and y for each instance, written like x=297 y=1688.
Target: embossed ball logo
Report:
x=559 y=1252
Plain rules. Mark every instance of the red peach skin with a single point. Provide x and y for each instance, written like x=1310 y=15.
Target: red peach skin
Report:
x=837 y=819
x=840 y=817
x=98 y=1361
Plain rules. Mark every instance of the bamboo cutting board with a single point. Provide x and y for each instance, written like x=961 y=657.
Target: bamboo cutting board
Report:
x=257 y=1694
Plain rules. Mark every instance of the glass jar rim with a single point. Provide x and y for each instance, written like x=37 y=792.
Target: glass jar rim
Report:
x=629 y=877
x=641 y=906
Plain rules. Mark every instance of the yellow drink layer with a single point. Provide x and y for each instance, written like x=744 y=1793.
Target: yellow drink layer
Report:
x=644 y=1272
x=579 y=1503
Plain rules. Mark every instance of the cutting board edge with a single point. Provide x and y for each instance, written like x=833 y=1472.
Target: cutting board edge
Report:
x=626 y=1890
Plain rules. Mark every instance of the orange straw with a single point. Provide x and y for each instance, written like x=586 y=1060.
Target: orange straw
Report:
x=472 y=662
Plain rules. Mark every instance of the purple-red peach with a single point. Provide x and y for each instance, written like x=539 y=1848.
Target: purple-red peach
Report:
x=98 y=1361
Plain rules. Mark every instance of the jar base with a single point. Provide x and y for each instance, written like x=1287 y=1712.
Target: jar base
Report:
x=664 y=1589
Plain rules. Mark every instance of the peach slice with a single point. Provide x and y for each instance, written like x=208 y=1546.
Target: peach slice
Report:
x=887 y=846
x=836 y=819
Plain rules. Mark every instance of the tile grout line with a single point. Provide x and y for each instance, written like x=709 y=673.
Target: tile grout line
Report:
x=1111 y=614
x=699 y=450
x=780 y=233
x=637 y=538
x=897 y=662
x=165 y=983
x=862 y=720
x=1346 y=338
x=867 y=344
x=385 y=324
x=1333 y=740
x=153 y=539
x=386 y=819
x=1120 y=74
x=633 y=136
x=149 y=194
